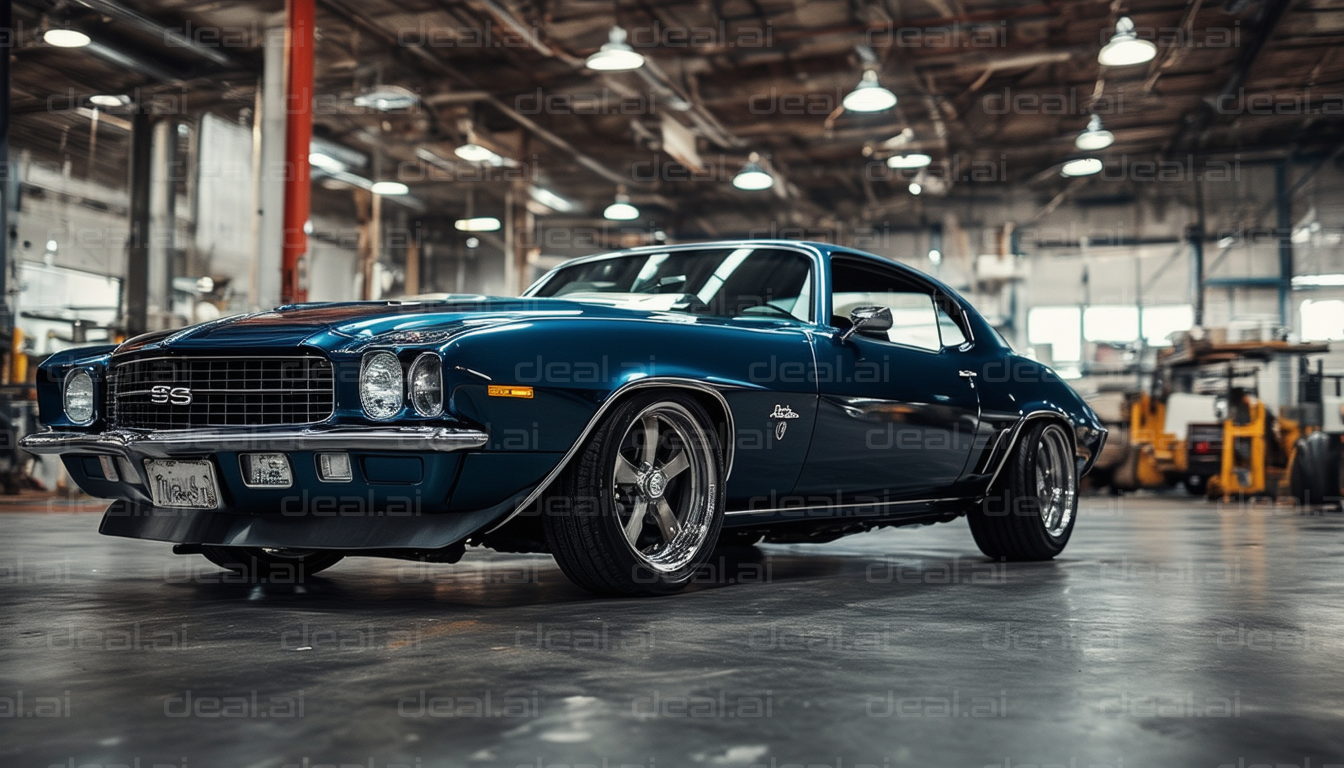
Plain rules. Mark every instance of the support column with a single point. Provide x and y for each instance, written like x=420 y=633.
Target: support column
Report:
x=1284 y=203
x=8 y=180
x=1196 y=236
x=135 y=289
x=268 y=138
x=162 y=224
x=298 y=137
x=413 y=262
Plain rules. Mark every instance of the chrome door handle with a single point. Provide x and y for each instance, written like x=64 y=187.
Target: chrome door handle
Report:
x=968 y=374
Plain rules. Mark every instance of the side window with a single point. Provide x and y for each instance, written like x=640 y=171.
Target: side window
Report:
x=915 y=318
x=953 y=336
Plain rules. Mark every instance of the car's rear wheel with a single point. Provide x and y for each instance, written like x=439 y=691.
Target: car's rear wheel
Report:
x=264 y=563
x=1031 y=516
x=643 y=499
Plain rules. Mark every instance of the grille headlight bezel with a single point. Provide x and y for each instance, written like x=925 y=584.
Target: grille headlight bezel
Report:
x=427 y=393
x=382 y=386
x=72 y=377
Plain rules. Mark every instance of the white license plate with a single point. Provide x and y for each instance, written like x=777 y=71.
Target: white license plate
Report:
x=183 y=484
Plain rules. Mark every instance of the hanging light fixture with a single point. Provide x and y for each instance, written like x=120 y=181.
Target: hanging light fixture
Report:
x=616 y=55
x=915 y=188
x=1094 y=137
x=477 y=224
x=109 y=100
x=869 y=95
x=1083 y=166
x=389 y=188
x=64 y=37
x=753 y=176
x=621 y=210
x=1125 y=48
x=909 y=161
x=475 y=153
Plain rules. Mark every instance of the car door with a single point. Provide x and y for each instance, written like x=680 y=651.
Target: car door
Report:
x=898 y=410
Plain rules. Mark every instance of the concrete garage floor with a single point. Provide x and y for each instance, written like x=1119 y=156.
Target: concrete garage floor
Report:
x=1173 y=633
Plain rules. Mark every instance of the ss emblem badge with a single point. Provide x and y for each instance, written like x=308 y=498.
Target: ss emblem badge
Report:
x=163 y=395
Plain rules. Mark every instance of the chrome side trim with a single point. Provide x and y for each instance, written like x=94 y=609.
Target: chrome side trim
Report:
x=669 y=381
x=1016 y=432
x=907 y=503
x=198 y=442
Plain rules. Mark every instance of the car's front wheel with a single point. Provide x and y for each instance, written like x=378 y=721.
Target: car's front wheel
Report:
x=640 y=507
x=1031 y=515
x=261 y=563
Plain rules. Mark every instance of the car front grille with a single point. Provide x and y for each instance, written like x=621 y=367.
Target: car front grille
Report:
x=187 y=392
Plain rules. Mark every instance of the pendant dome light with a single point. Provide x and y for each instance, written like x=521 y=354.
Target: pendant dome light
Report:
x=753 y=176
x=615 y=55
x=1125 y=48
x=1094 y=137
x=869 y=95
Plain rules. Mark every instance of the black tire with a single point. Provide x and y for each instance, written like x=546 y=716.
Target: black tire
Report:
x=1196 y=485
x=1010 y=524
x=608 y=528
x=1315 y=475
x=258 y=564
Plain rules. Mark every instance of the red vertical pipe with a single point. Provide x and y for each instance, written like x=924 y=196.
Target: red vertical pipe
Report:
x=302 y=16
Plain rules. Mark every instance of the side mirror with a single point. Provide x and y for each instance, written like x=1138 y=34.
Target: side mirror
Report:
x=867 y=320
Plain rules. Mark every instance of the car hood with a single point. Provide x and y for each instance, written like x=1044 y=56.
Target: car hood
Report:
x=350 y=325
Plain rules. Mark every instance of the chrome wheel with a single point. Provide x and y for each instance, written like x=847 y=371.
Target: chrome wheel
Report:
x=663 y=482
x=1056 y=480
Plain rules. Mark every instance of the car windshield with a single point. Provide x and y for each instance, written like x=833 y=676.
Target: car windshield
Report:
x=726 y=282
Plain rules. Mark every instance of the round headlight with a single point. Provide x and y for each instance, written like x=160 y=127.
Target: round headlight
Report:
x=79 y=397
x=427 y=385
x=380 y=385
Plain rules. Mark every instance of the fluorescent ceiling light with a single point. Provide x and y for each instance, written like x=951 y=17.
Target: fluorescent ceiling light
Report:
x=65 y=38
x=475 y=153
x=869 y=96
x=1094 y=137
x=477 y=224
x=753 y=176
x=109 y=100
x=616 y=55
x=387 y=98
x=389 y=188
x=1125 y=48
x=1083 y=166
x=1318 y=281
x=325 y=162
x=551 y=200
x=909 y=161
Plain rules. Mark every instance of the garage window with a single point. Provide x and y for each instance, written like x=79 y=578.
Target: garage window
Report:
x=1323 y=320
x=1060 y=328
x=1160 y=322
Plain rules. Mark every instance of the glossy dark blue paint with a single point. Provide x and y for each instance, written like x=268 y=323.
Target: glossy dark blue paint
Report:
x=921 y=432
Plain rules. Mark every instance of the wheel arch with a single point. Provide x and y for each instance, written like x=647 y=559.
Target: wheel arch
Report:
x=1018 y=433
x=708 y=396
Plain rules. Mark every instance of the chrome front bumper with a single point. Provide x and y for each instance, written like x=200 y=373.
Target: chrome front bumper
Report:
x=198 y=442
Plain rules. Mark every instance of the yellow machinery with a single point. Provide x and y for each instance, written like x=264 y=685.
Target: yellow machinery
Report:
x=1157 y=455
x=1210 y=452
x=1249 y=471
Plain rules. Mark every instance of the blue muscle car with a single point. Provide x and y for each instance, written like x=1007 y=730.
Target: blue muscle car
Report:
x=627 y=414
